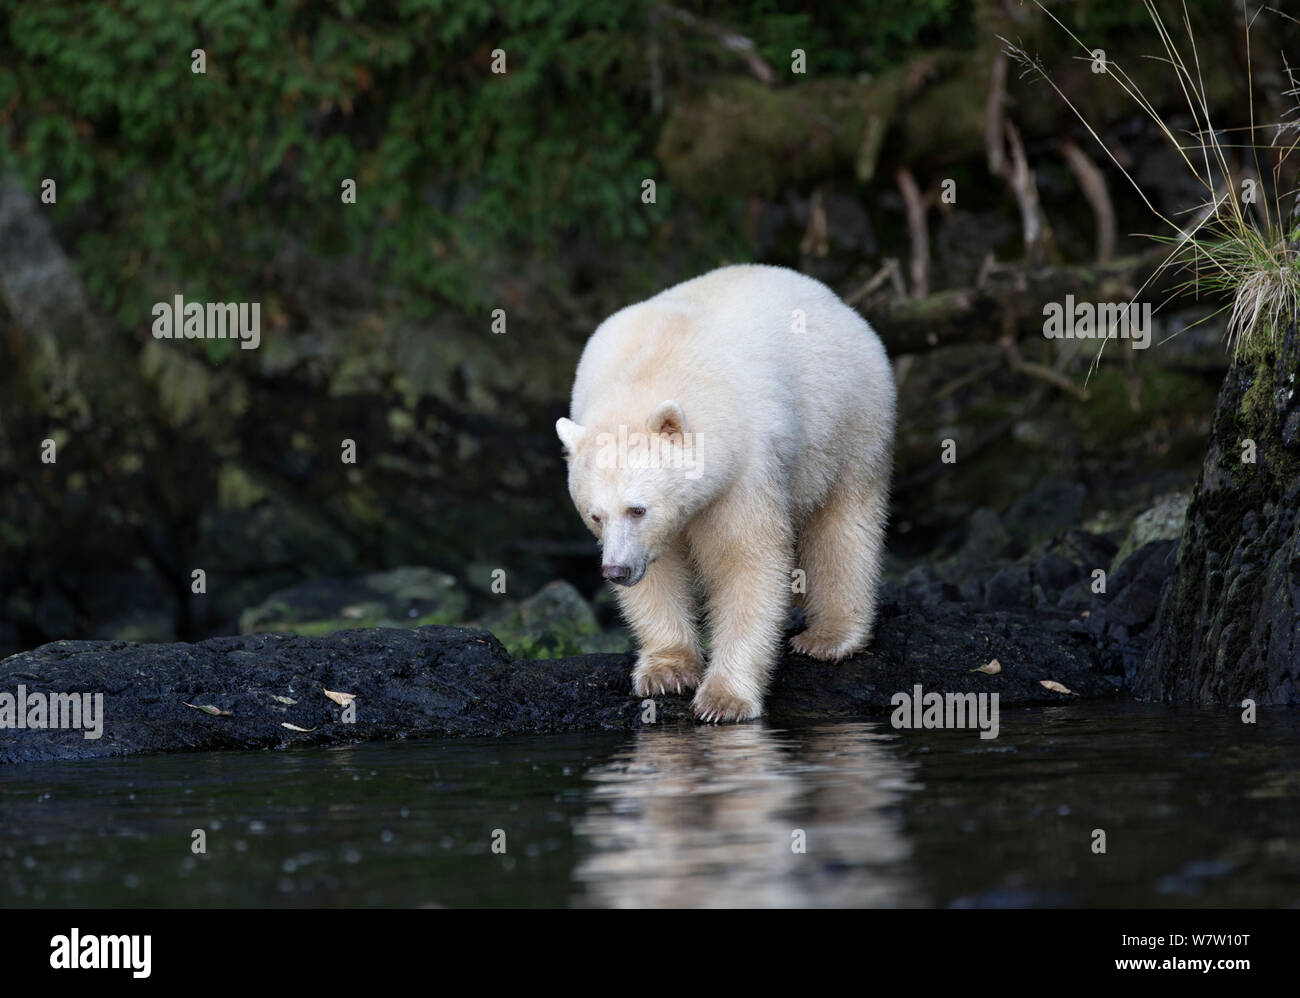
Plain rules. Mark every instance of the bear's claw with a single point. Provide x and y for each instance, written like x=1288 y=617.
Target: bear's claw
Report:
x=657 y=674
x=833 y=648
x=720 y=706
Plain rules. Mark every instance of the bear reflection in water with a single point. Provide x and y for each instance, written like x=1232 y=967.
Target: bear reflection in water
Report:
x=745 y=816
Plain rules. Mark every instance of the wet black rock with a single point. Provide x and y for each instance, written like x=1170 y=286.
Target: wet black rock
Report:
x=1229 y=619
x=1053 y=584
x=1009 y=588
x=1055 y=573
x=1052 y=507
x=440 y=681
x=1123 y=617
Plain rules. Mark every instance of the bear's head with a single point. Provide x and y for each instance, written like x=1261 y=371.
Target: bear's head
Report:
x=634 y=485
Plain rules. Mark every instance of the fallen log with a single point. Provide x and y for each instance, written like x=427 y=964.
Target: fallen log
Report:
x=1010 y=298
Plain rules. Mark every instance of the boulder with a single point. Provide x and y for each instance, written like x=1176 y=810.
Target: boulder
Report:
x=553 y=622
x=270 y=690
x=1229 y=618
x=402 y=597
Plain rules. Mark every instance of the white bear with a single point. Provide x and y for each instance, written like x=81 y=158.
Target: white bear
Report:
x=732 y=429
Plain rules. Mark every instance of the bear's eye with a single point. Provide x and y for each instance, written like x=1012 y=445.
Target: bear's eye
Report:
x=636 y=512
x=595 y=518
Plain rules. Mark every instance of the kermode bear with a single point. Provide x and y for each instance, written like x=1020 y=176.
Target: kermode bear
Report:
x=737 y=428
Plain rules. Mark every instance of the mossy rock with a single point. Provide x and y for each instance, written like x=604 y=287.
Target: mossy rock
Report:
x=1162 y=522
x=402 y=597
x=1229 y=624
x=554 y=622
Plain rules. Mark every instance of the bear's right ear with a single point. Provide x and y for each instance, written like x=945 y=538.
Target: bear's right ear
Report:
x=668 y=419
x=569 y=433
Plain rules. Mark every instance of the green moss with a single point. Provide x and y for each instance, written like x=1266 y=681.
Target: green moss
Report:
x=553 y=645
x=556 y=638
x=317 y=628
x=436 y=620
x=1257 y=413
x=236 y=489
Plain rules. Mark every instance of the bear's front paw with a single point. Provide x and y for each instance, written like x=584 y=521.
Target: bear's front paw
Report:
x=667 y=672
x=826 y=647
x=716 y=702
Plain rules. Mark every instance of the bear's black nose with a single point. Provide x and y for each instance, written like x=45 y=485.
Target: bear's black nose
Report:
x=616 y=573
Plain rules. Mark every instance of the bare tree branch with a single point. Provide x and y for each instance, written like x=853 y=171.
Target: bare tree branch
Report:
x=1093 y=183
x=916 y=230
x=732 y=41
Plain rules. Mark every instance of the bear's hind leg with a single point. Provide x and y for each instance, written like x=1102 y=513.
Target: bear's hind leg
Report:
x=841 y=549
x=660 y=609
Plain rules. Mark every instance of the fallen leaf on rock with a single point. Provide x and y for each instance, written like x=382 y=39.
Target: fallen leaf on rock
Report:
x=294 y=727
x=288 y=700
x=1055 y=687
x=342 y=699
x=991 y=669
x=207 y=708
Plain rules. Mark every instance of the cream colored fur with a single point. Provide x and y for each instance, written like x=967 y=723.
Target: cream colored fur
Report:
x=791 y=433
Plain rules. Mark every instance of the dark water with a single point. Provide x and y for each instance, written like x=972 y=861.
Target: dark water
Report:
x=1197 y=808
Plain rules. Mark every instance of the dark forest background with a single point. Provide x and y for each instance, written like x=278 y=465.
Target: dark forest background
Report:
x=522 y=191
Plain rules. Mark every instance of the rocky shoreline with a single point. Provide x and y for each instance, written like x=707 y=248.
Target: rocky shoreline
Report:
x=1019 y=589
x=274 y=690
x=269 y=690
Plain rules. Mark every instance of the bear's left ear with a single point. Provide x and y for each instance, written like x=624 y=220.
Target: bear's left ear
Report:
x=569 y=433
x=668 y=418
